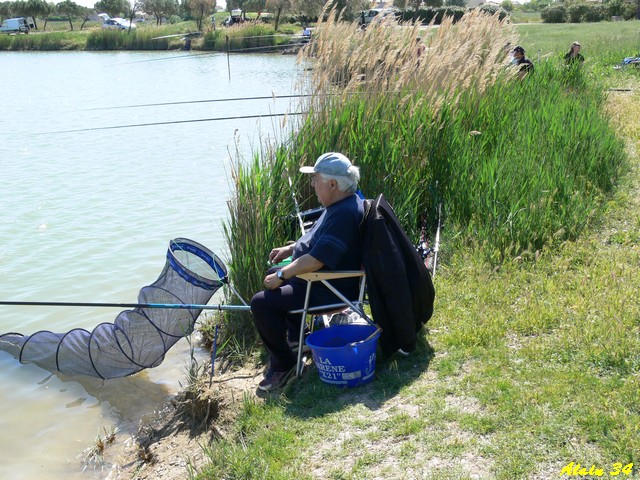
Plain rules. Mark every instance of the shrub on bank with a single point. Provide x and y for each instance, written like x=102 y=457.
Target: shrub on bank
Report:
x=554 y=14
x=45 y=42
x=245 y=37
x=576 y=12
x=125 y=40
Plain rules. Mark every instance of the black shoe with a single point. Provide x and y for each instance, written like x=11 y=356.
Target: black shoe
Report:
x=274 y=380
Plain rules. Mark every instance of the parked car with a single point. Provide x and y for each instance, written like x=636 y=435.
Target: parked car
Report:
x=367 y=16
x=115 y=23
x=234 y=18
x=16 y=25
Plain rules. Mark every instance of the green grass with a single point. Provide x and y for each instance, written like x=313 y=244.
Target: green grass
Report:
x=525 y=17
x=529 y=363
x=605 y=43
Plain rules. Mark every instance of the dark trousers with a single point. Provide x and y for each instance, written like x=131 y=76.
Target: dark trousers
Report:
x=270 y=314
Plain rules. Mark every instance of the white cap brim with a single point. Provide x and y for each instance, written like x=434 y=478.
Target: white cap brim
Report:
x=307 y=169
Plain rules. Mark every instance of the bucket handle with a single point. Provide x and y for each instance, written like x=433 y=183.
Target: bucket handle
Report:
x=375 y=332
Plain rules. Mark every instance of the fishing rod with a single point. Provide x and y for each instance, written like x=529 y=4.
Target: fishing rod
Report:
x=241 y=117
x=212 y=100
x=436 y=247
x=297 y=207
x=182 y=306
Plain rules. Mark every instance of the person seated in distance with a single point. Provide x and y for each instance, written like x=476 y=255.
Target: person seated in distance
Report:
x=526 y=66
x=574 y=57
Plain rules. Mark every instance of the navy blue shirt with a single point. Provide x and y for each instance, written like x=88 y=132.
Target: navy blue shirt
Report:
x=334 y=239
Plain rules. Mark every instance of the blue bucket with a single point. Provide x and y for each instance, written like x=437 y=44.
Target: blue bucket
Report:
x=344 y=354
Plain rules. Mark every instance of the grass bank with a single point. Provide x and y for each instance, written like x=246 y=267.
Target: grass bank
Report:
x=530 y=363
x=604 y=44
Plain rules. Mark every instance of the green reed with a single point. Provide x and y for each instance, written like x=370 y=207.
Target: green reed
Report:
x=522 y=166
x=125 y=40
x=44 y=42
x=260 y=219
x=243 y=37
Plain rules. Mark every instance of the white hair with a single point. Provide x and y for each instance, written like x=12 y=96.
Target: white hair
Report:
x=347 y=183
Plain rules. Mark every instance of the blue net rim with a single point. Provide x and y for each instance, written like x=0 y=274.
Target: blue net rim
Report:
x=219 y=271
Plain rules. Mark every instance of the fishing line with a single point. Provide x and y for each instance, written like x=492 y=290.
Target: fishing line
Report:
x=187 y=102
x=175 y=122
x=217 y=52
x=264 y=47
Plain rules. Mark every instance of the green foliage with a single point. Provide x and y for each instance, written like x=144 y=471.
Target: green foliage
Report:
x=595 y=13
x=629 y=11
x=114 y=8
x=554 y=14
x=50 y=42
x=507 y=5
x=125 y=40
x=258 y=222
x=615 y=7
x=577 y=12
x=492 y=9
x=160 y=8
x=535 y=5
x=517 y=168
x=243 y=37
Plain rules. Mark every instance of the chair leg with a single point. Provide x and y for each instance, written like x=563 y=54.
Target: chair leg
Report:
x=303 y=323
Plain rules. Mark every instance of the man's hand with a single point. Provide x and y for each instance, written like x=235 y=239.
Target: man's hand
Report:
x=280 y=253
x=272 y=282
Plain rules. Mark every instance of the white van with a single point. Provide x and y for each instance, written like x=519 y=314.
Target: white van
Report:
x=15 y=25
x=366 y=16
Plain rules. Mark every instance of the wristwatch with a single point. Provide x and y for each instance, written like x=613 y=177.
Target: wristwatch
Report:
x=280 y=274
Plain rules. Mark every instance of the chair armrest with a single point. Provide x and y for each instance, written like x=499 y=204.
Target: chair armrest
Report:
x=325 y=275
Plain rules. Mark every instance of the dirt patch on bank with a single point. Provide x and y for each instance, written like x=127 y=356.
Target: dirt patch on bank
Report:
x=169 y=443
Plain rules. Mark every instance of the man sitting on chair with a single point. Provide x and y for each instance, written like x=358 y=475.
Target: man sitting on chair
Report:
x=332 y=244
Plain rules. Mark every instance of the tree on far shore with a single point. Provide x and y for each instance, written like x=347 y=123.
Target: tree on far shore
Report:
x=68 y=9
x=278 y=7
x=87 y=15
x=6 y=10
x=307 y=8
x=160 y=8
x=201 y=8
x=113 y=8
x=34 y=8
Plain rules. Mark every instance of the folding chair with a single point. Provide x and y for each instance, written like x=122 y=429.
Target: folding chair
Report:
x=324 y=277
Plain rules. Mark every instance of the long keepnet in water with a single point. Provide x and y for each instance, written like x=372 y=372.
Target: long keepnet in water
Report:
x=138 y=338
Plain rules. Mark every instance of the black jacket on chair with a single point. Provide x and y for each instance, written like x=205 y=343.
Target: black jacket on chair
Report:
x=399 y=286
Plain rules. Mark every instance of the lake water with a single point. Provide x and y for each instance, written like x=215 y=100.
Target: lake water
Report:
x=86 y=216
